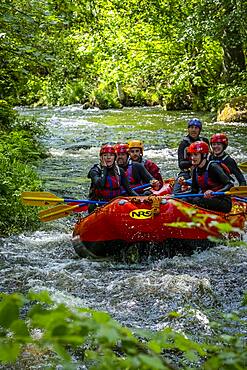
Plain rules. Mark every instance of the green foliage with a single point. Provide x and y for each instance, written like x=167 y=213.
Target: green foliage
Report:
x=7 y=116
x=16 y=177
x=103 y=98
x=89 y=338
x=217 y=230
x=175 y=54
x=18 y=148
x=20 y=145
x=222 y=93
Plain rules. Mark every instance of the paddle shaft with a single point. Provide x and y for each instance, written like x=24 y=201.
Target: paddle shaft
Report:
x=241 y=199
x=88 y=201
x=66 y=209
x=236 y=190
x=186 y=195
x=63 y=211
x=45 y=198
x=83 y=201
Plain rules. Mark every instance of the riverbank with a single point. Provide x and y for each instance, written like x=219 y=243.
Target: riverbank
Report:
x=20 y=150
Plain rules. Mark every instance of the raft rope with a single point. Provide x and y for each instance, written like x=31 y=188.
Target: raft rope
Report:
x=154 y=200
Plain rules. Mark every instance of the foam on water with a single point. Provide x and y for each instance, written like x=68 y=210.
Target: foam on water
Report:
x=137 y=295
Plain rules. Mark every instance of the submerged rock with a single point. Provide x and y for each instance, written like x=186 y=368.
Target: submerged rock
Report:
x=234 y=111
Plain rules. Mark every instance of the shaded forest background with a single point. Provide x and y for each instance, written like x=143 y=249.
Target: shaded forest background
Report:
x=179 y=54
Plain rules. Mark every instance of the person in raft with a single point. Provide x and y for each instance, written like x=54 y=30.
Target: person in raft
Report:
x=219 y=143
x=136 y=172
x=107 y=178
x=136 y=148
x=184 y=159
x=208 y=177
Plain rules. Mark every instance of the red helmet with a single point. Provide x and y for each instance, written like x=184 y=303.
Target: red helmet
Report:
x=219 y=138
x=107 y=148
x=198 y=147
x=122 y=148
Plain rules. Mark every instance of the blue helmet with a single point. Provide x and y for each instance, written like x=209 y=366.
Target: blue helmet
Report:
x=195 y=122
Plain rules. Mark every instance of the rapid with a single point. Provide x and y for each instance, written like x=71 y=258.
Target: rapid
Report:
x=137 y=295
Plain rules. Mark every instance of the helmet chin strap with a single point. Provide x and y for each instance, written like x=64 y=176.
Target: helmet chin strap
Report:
x=202 y=159
x=221 y=153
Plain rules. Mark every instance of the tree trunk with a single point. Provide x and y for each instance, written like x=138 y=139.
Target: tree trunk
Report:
x=234 y=59
x=120 y=92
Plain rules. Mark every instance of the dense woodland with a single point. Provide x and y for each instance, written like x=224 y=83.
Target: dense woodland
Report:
x=180 y=54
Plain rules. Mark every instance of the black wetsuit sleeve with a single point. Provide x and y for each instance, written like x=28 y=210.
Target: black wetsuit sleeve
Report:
x=98 y=176
x=235 y=170
x=215 y=172
x=125 y=184
x=183 y=162
x=141 y=173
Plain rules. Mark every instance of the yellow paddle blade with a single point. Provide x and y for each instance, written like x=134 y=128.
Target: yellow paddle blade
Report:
x=38 y=198
x=237 y=190
x=54 y=213
x=243 y=166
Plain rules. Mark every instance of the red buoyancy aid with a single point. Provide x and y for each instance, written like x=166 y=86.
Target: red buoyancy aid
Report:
x=222 y=164
x=205 y=182
x=111 y=190
x=129 y=174
x=209 y=185
x=154 y=170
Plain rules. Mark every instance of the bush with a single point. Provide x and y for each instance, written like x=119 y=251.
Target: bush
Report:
x=18 y=148
x=223 y=93
x=16 y=177
x=7 y=116
x=84 y=337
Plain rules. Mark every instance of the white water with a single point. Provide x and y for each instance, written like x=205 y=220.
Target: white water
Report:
x=138 y=295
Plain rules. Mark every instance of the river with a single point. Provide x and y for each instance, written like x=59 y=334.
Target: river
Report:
x=138 y=295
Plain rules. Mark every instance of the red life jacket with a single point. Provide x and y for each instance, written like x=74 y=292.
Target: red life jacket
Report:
x=206 y=183
x=111 y=190
x=129 y=174
x=154 y=170
x=222 y=164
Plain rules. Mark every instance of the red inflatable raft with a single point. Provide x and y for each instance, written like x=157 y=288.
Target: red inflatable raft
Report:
x=151 y=224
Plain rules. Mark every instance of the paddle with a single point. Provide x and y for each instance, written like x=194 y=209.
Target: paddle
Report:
x=236 y=190
x=46 y=198
x=144 y=186
x=243 y=166
x=38 y=198
x=241 y=199
x=62 y=210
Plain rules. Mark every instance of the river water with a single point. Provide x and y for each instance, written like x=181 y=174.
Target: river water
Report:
x=138 y=295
